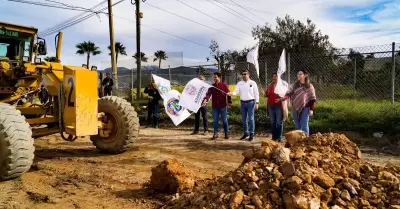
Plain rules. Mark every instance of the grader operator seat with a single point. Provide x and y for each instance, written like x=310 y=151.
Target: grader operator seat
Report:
x=72 y=110
x=11 y=51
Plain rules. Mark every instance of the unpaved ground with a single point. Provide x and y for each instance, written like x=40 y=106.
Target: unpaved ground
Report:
x=75 y=175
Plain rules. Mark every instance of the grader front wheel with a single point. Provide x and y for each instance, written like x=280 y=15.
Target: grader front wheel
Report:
x=120 y=125
x=16 y=143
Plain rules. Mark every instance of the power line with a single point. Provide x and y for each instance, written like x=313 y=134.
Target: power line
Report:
x=247 y=10
x=48 y=5
x=214 y=18
x=247 y=7
x=194 y=21
x=71 y=19
x=163 y=32
x=177 y=36
x=237 y=14
x=70 y=24
x=71 y=7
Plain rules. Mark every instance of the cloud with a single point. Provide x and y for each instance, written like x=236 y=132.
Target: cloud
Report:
x=342 y=20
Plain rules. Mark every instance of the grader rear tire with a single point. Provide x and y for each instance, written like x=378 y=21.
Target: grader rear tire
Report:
x=16 y=143
x=125 y=122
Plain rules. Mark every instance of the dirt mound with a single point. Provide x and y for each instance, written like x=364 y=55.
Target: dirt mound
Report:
x=172 y=177
x=320 y=171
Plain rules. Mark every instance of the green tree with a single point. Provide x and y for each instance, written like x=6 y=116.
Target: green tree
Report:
x=142 y=56
x=119 y=50
x=160 y=55
x=89 y=48
x=204 y=72
x=292 y=35
x=307 y=46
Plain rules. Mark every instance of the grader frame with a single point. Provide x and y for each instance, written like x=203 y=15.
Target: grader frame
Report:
x=73 y=109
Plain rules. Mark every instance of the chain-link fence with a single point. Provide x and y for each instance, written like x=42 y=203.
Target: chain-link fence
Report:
x=367 y=73
x=364 y=73
x=354 y=87
x=127 y=73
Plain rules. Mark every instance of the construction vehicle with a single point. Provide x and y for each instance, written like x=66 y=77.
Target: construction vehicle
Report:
x=72 y=110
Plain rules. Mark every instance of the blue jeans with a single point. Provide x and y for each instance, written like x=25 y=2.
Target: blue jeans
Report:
x=276 y=116
x=247 y=110
x=301 y=120
x=152 y=110
x=215 y=114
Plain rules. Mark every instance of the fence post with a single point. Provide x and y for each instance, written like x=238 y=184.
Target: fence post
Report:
x=169 y=72
x=355 y=77
x=393 y=70
x=288 y=66
x=266 y=73
x=236 y=73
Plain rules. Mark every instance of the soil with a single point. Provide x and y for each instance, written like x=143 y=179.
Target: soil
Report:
x=76 y=175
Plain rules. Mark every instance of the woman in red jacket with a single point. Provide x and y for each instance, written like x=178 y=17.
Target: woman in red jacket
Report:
x=275 y=110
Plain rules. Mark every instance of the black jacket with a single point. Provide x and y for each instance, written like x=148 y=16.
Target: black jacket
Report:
x=153 y=93
x=108 y=83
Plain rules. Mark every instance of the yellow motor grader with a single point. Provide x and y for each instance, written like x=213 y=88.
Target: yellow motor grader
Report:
x=73 y=108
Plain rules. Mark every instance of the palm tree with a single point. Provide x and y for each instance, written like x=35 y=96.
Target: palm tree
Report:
x=88 y=48
x=142 y=56
x=119 y=49
x=160 y=55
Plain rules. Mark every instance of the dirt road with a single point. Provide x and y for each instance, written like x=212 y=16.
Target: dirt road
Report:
x=75 y=175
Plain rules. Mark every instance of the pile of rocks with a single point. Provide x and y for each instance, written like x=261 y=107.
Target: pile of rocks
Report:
x=320 y=171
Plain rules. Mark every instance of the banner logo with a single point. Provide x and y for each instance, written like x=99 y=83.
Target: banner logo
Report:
x=173 y=106
x=163 y=89
x=190 y=89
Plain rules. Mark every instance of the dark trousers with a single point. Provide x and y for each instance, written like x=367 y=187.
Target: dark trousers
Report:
x=203 y=112
x=107 y=92
x=152 y=110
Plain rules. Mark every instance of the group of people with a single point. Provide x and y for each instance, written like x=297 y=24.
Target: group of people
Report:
x=301 y=94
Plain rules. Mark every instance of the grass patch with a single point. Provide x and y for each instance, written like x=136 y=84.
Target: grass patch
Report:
x=364 y=117
x=345 y=114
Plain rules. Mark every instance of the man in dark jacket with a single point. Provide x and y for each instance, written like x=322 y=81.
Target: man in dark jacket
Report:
x=108 y=84
x=154 y=98
x=43 y=94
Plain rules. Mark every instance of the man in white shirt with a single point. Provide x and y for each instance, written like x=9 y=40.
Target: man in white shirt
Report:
x=249 y=99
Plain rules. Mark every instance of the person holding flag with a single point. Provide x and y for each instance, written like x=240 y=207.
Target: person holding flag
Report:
x=302 y=96
x=275 y=109
x=221 y=102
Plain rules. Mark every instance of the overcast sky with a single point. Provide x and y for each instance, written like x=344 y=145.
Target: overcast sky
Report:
x=349 y=23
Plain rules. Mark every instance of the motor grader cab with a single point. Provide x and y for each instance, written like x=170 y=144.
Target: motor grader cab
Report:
x=72 y=110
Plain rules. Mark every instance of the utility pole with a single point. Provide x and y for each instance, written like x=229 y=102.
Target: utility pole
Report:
x=112 y=44
x=139 y=58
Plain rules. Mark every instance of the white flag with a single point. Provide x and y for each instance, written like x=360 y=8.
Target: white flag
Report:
x=193 y=94
x=252 y=57
x=163 y=85
x=176 y=112
x=282 y=63
x=281 y=86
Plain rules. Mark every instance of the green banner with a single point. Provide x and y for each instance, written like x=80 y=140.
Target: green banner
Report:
x=9 y=33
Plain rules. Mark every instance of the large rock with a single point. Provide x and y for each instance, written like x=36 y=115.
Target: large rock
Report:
x=324 y=180
x=293 y=137
x=172 y=177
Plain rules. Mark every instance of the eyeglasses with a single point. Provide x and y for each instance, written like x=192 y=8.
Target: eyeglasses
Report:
x=244 y=74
